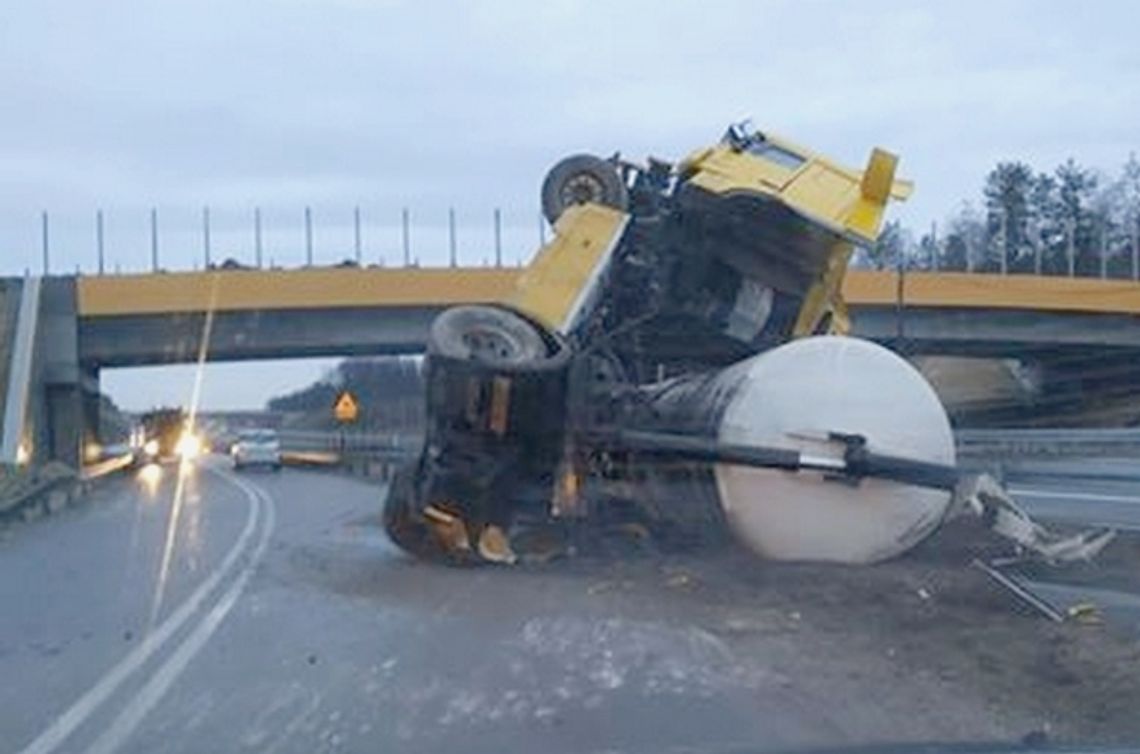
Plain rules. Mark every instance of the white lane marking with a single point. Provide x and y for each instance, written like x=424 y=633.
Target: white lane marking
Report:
x=85 y=705
x=164 y=677
x=1076 y=495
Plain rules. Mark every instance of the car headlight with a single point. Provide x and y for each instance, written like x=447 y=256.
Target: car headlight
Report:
x=189 y=446
x=150 y=447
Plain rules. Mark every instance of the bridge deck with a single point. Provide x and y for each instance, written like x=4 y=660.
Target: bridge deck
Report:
x=331 y=288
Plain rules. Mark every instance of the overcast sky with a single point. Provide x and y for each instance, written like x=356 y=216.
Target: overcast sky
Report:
x=338 y=103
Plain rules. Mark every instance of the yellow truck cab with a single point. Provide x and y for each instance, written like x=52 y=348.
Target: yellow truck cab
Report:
x=784 y=219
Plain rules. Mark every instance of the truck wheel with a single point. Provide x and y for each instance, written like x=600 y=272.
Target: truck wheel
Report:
x=405 y=531
x=487 y=335
x=580 y=179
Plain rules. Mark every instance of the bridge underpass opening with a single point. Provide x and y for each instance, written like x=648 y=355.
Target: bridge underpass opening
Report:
x=293 y=394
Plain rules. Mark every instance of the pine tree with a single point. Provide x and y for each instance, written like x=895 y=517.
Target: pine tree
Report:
x=1076 y=193
x=1007 y=193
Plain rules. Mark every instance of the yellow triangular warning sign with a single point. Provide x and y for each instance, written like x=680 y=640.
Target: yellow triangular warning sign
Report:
x=345 y=409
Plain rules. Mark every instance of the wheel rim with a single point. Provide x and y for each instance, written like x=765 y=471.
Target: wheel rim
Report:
x=582 y=188
x=487 y=344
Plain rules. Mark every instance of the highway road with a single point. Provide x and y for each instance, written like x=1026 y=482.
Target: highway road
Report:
x=1085 y=492
x=203 y=611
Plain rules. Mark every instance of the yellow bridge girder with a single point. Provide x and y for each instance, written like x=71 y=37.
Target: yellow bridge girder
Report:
x=324 y=288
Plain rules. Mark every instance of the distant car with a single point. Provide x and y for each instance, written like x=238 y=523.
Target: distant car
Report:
x=257 y=447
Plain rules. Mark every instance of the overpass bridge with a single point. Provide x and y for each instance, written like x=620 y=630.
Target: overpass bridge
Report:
x=58 y=332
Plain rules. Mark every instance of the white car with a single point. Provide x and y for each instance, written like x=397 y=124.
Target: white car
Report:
x=257 y=447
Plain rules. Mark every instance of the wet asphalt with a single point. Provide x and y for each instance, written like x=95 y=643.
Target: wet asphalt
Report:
x=271 y=614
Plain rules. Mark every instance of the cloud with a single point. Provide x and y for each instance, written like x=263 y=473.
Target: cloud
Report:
x=127 y=105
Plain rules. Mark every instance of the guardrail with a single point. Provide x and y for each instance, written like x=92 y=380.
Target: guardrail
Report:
x=1051 y=441
x=380 y=444
x=26 y=499
x=106 y=466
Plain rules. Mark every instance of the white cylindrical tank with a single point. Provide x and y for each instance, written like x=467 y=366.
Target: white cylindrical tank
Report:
x=793 y=395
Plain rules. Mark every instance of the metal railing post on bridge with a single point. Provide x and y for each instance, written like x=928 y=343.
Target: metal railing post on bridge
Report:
x=451 y=236
x=1035 y=239
x=308 y=237
x=44 y=239
x=1004 y=246
x=498 y=238
x=406 y=237
x=206 y=237
x=154 y=239
x=1071 y=246
x=1103 y=251
x=934 y=246
x=257 y=236
x=1136 y=248
x=99 y=239
x=356 y=243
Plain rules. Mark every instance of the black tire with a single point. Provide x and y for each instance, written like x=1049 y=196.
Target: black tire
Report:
x=488 y=335
x=404 y=529
x=580 y=179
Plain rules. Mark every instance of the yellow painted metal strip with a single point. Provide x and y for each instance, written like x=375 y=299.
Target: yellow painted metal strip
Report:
x=246 y=290
x=974 y=291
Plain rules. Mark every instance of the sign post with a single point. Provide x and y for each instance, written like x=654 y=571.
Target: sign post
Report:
x=345 y=411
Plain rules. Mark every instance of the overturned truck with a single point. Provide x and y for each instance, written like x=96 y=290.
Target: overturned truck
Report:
x=676 y=357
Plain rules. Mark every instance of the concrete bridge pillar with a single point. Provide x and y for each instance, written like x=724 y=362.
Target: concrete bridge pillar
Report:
x=65 y=388
x=51 y=403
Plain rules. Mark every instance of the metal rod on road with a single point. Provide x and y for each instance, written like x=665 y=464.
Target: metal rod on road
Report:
x=154 y=239
x=356 y=233
x=308 y=237
x=498 y=238
x=406 y=237
x=451 y=235
x=257 y=235
x=206 y=236
x=99 y=239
